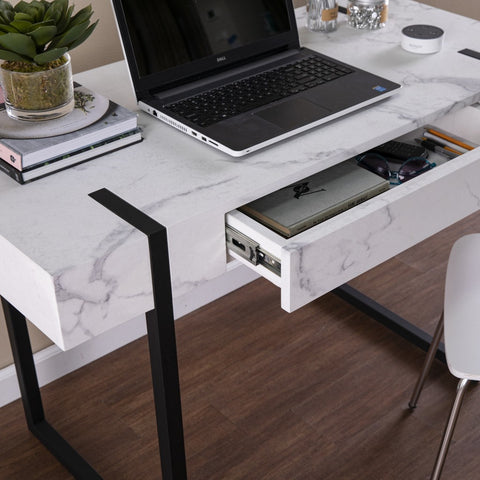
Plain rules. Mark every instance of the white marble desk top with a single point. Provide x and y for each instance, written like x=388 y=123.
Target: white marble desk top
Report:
x=75 y=270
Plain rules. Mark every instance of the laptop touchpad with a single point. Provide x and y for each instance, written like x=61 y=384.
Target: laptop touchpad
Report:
x=293 y=113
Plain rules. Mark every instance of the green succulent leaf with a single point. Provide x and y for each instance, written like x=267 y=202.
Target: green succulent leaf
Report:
x=42 y=30
x=6 y=11
x=44 y=34
x=83 y=37
x=41 y=24
x=29 y=7
x=39 y=9
x=49 y=55
x=45 y=4
x=18 y=43
x=72 y=34
x=81 y=16
x=63 y=23
x=22 y=26
x=34 y=10
x=7 y=29
x=56 y=10
x=7 y=55
x=22 y=6
x=24 y=16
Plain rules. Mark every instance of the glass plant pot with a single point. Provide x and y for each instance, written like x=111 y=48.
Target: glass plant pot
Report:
x=39 y=95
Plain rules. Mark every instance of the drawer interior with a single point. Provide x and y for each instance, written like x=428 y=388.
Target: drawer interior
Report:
x=333 y=252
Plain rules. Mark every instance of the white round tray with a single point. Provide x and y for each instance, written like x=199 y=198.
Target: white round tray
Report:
x=75 y=120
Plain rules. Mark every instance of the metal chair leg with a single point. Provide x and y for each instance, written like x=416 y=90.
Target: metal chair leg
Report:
x=447 y=435
x=432 y=350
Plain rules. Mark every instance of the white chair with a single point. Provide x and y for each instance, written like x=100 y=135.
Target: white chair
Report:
x=461 y=322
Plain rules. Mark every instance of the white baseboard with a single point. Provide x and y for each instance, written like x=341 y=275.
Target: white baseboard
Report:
x=53 y=363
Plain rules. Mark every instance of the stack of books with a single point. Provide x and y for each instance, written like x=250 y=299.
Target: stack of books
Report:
x=27 y=159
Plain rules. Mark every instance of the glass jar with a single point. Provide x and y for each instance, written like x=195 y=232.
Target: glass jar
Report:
x=38 y=95
x=367 y=14
x=322 y=15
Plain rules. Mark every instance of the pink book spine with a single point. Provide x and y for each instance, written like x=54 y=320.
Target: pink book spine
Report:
x=7 y=154
x=11 y=157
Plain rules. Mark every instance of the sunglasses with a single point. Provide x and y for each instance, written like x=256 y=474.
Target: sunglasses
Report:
x=409 y=169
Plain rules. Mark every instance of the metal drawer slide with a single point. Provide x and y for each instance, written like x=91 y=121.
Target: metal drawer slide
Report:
x=251 y=250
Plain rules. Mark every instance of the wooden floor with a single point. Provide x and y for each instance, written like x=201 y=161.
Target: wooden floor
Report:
x=319 y=394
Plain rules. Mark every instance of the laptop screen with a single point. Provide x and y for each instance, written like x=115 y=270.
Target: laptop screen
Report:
x=166 y=40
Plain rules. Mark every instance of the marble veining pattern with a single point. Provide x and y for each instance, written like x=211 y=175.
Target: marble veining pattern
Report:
x=346 y=249
x=97 y=267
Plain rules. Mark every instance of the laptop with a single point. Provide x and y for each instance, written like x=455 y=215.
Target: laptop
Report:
x=232 y=74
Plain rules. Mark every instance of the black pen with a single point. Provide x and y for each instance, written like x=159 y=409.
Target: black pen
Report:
x=435 y=147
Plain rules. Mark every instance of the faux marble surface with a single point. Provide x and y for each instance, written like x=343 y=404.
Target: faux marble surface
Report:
x=375 y=231
x=75 y=270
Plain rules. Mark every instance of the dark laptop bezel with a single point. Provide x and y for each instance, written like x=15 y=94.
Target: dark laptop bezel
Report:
x=197 y=69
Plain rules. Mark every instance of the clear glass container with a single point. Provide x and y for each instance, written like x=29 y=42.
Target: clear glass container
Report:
x=38 y=95
x=322 y=15
x=367 y=14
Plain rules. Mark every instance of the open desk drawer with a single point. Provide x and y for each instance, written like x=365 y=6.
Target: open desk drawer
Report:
x=324 y=257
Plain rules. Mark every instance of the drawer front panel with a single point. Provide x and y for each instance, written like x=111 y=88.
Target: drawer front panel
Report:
x=336 y=251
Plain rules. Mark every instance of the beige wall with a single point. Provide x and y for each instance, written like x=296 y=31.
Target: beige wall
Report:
x=104 y=47
x=469 y=8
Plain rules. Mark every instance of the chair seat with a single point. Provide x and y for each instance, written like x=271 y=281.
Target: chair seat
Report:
x=462 y=308
x=460 y=323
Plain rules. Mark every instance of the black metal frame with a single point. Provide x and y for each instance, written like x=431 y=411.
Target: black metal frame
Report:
x=389 y=319
x=32 y=401
x=161 y=337
x=163 y=358
x=163 y=352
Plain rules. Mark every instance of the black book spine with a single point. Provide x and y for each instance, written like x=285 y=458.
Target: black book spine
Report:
x=12 y=172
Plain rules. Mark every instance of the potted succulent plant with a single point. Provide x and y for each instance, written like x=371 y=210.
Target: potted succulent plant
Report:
x=36 y=73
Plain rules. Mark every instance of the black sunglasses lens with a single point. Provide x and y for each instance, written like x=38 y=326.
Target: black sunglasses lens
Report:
x=375 y=164
x=412 y=168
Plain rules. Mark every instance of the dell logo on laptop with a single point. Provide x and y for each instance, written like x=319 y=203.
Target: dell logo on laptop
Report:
x=221 y=59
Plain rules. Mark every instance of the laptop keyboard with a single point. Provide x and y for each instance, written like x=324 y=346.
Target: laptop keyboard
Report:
x=238 y=97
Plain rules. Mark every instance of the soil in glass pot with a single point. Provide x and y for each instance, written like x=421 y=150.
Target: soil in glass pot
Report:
x=38 y=94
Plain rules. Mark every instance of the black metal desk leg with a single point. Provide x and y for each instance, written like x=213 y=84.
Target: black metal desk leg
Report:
x=161 y=337
x=167 y=399
x=164 y=364
x=32 y=401
x=389 y=319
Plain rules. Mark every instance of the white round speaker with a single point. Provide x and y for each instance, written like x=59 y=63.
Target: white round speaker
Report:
x=422 y=38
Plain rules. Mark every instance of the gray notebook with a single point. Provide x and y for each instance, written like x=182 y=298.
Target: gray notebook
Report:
x=314 y=199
